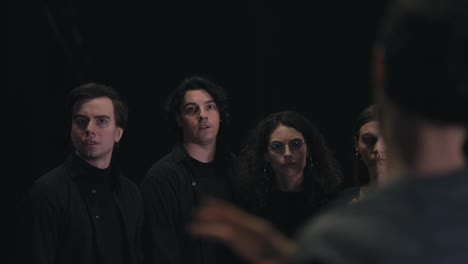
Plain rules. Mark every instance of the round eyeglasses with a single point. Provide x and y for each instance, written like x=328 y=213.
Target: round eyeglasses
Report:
x=294 y=146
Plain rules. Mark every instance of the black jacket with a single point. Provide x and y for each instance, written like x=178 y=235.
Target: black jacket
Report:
x=56 y=226
x=170 y=194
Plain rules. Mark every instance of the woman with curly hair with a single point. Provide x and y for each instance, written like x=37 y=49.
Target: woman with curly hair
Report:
x=289 y=172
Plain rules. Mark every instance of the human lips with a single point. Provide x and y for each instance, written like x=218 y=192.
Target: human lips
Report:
x=204 y=125
x=380 y=158
x=90 y=142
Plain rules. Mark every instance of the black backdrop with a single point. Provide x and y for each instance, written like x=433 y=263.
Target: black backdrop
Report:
x=312 y=57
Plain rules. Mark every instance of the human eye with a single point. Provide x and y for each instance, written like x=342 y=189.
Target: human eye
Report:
x=102 y=122
x=81 y=122
x=295 y=144
x=276 y=146
x=190 y=110
x=369 y=140
x=211 y=106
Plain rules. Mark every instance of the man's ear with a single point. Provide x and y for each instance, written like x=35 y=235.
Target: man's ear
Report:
x=118 y=134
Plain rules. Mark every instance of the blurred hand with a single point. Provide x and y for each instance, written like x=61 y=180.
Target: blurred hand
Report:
x=251 y=237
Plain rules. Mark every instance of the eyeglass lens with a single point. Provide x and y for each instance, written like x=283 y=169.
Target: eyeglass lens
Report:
x=294 y=145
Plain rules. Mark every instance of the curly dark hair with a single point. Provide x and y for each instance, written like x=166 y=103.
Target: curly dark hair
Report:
x=174 y=101
x=321 y=181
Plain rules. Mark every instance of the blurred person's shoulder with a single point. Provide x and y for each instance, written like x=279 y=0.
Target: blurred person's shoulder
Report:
x=406 y=222
x=345 y=197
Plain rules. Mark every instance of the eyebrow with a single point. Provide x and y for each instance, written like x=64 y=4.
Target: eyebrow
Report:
x=191 y=103
x=188 y=104
x=102 y=116
x=277 y=140
x=98 y=116
x=369 y=134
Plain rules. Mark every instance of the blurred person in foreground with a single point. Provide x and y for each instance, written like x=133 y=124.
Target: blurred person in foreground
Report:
x=419 y=215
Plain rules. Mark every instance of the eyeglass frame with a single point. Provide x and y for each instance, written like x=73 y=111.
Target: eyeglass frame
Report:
x=284 y=145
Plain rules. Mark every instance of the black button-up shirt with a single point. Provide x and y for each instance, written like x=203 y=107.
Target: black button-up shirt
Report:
x=61 y=222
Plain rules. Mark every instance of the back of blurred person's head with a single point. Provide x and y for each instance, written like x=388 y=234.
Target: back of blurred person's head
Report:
x=421 y=69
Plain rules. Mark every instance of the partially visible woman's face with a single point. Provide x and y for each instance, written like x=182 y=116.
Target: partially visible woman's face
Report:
x=287 y=153
x=371 y=147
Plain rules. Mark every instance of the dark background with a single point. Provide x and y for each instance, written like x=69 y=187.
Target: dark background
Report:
x=312 y=57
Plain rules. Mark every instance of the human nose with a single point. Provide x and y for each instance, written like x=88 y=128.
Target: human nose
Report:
x=287 y=151
x=201 y=115
x=379 y=147
x=90 y=127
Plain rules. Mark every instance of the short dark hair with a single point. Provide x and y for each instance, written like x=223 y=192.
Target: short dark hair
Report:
x=95 y=90
x=426 y=58
x=175 y=99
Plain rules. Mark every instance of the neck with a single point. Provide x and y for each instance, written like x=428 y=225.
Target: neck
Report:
x=440 y=150
x=203 y=153
x=365 y=189
x=291 y=185
x=373 y=176
x=98 y=163
x=377 y=173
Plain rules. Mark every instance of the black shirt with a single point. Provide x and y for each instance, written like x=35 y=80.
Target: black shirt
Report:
x=288 y=211
x=58 y=220
x=209 y=181
x=171 y=190
x=96 y=187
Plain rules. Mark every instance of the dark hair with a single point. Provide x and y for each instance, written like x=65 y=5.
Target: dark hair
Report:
x=175 y=99
x=361 y=172
x=320 y=183
x=426 y=58
x=96 y=90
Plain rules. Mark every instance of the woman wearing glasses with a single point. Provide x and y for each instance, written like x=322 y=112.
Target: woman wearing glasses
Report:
x=289 y=172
